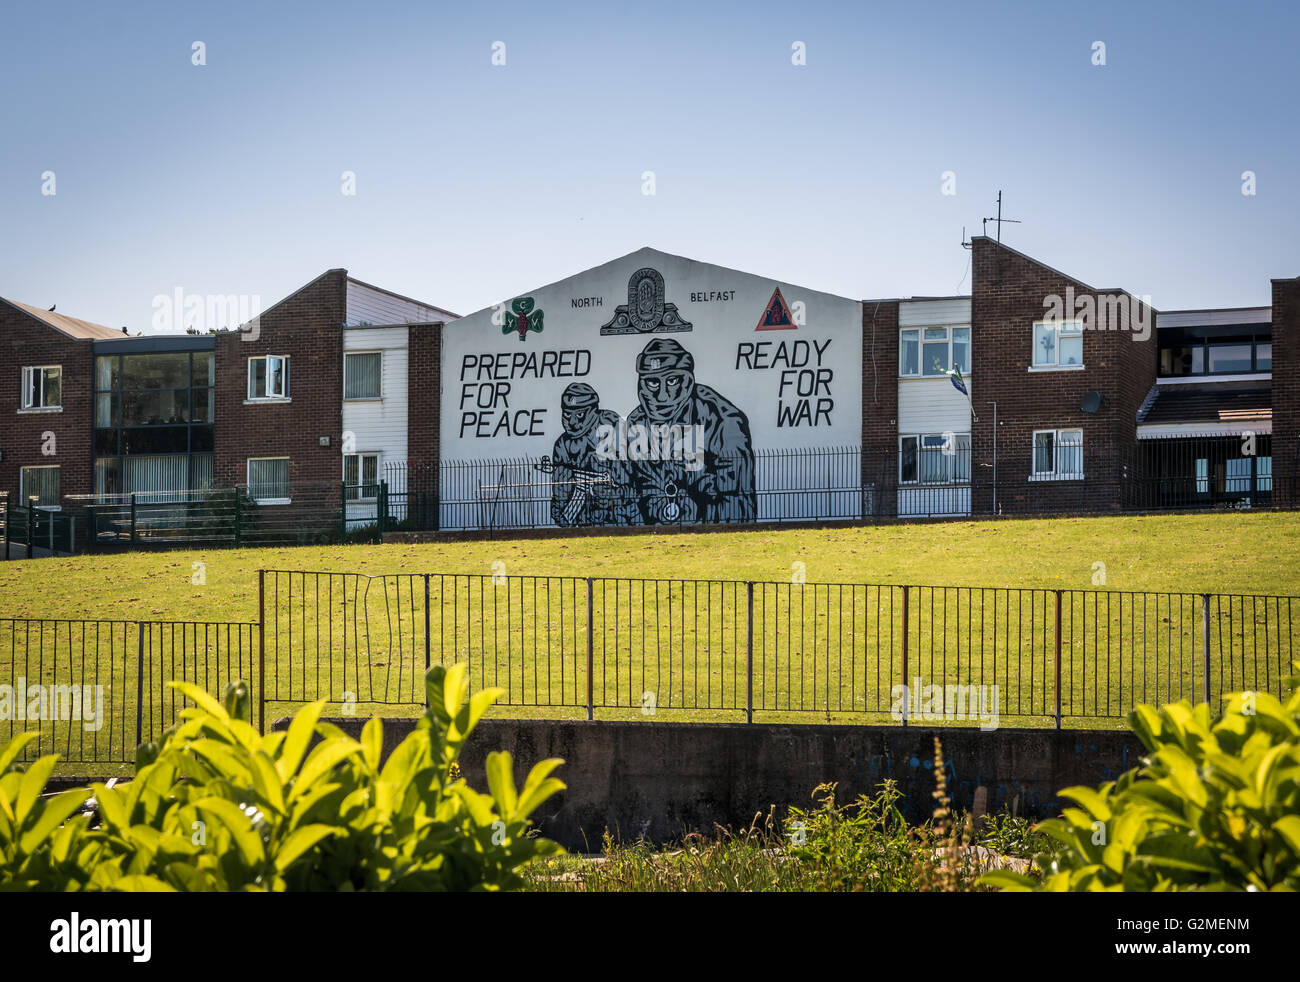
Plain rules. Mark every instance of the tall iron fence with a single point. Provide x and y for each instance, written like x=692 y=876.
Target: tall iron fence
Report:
x=639 y=647
x=96 y=689
x=682 y=649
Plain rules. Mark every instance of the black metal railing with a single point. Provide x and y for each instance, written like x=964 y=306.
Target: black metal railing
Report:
x=96 y=689
x=741 y=648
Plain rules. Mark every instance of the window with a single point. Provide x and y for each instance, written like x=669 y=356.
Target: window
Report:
x=1225 y=352
x=1058 y=454
x=1058 y=344
x=1230 y=359
x=933 y=351
x=42 y=483
x=934 y=458
x=268 y=480
x=42 y=387
x=361 y=476
x=362 y=373
x=268 y=377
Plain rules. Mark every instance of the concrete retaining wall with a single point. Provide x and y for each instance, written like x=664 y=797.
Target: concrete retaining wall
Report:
x=661 y=780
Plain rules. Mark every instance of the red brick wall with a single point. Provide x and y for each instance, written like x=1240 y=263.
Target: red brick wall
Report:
x=880 y=399
x=1008 y=294
x=308 y=327
x=26 y=341
x=1286 y=390
x=424 y=395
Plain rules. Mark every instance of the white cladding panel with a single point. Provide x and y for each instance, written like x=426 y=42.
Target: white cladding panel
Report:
x=934 y=313
x=380 y=426
x=367 y=305
x=932 y=405
x=795 y=387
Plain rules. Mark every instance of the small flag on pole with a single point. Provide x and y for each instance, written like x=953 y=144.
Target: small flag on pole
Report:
x=957 y=382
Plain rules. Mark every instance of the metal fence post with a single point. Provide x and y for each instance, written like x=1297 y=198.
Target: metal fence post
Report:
x=426 y=634
x=590 y=652
x=749 y=652
x=261 y=651
x=1057 y=670
x=139 y=683
x=132 y=518
x=907 y=701
x=236 y=494
x=343 y=512
x=1205 y=645
x=382 y=516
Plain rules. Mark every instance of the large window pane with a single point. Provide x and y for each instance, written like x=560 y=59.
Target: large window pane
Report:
x=1044 y=344
x=268 y=479
x=934 y=357
x=155 y=439
x=1237 y=475
x=961 y=349
x=155 y=407
x=1229 y=358
x=1071 y=350
x=1264 y=357
x=909 y=354
x=168 y=370
x=108 y=476
x=106 y=404
x=1264 y=474
x=1069 y=452
x=155 y=474
x=106 y=373
x=257 y=378
x=201 y=410
x=934 y=462
x=361 y=375
x=1044 y=455
x=907 y=459
x=41 y=483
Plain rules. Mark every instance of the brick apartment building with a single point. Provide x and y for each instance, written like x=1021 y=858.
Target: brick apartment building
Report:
x=1035 y=393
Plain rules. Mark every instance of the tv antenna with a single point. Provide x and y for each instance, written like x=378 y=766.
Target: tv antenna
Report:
x=999 y=219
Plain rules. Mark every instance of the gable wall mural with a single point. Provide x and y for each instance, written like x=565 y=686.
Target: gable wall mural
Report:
x=650 y=390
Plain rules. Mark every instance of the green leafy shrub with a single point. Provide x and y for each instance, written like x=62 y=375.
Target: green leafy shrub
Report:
x=217 y=806
x=1214 y=806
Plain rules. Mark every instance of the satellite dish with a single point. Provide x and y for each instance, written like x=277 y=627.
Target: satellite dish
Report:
x=1090 y=402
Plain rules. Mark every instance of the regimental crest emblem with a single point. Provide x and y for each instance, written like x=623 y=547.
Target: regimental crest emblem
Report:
x=776 y=315
x=646 y=311
x=521 y=318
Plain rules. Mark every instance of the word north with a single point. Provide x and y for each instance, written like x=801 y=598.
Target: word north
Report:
x=63 y=703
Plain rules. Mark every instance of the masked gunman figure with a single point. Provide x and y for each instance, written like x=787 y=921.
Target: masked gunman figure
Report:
x=700 y=465
x=589 y=488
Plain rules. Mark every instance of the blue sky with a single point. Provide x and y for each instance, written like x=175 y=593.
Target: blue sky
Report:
x=475 y=182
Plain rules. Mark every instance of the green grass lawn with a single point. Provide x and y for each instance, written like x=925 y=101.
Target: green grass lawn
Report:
x=820 y=649
x=1218 y=553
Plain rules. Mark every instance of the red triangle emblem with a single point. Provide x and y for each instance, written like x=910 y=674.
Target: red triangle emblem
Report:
x=776 y=315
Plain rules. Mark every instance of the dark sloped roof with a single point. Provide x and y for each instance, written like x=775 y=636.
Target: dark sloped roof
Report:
x=1210 y=405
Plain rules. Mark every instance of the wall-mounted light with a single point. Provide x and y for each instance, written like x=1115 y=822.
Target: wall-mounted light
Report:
x=324 y=441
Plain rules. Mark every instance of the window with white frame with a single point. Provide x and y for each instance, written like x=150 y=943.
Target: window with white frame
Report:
x=934 y=458
x=1058 y=454
x=933 y=351
x=268 y=377
x=1058 y=344
x=362 y=374
x=268 y=480
x=42 y=387
x=361 y=476
x=41 y=483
